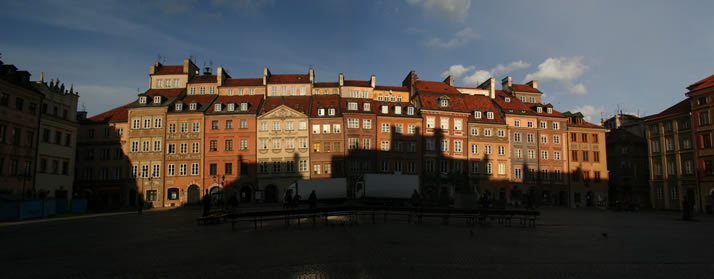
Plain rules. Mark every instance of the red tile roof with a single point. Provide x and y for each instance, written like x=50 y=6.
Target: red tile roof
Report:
x=253 y=103
x=243 y=82
x=393 y=88
x=206 y=79
x=514 y=106
x=586 y=124
x=289 y=78
x=168 y=93
x=299 y=103
x=483 y=104
x=360 y=105
x=361 y=83
x=702 y=84
x=431 y=101
x=201 y=99
x=116 y=114
x=524 y=88
x=170 y=70
x=325 y=101
x=326 y=84
x=682 y=107
x=534 y=108
x=435 y=87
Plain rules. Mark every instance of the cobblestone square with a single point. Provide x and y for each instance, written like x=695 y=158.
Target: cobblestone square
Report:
x=169 y=244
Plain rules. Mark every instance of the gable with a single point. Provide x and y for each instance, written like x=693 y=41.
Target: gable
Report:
x=282 y=111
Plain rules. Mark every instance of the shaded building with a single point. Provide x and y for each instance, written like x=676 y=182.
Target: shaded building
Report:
x=327 y=140
x=360 y=122
x=587 y=162
x=399 y=149
x=701 y=100
x=628 y=163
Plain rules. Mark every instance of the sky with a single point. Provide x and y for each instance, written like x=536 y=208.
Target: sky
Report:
x=588 y=56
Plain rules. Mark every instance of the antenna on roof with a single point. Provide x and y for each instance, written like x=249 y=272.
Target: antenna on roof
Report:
x=84 y=108
x=159 y=58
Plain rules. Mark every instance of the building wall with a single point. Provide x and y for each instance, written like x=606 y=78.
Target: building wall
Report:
x=384 y=94
x=326 y=149
x=271 y=158
x=349 y=92
x=399 y=157
x=18 y=137
x=177 y=185
x=361 y=159
x=330 y=91
x=236 y=90
x=174 y=81
x=521 y=148
x=553 y=183
x=478 y=159
x=583 y=171
x=150 y=182
x=288 y=89
x=702 y=105
x=437 y=163
x=242 y=158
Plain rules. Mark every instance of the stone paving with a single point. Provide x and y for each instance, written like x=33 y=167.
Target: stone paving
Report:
x=169 y=244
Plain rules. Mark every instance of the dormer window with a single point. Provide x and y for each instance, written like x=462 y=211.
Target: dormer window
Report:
x=489 y=115
x=379 y=98
x=192 y=106
x=217 y=107
x=142 y=100
x=243 y=106
x=539 y=109
x=231 y=107
x=365 y=107
x=321 y=112
x=352 y=106
x=331 y=112
x=477 y=114
x=397 y=110
x=507 y=99
x=157 y=99
x=410 y=110
x=385 y=109
x=179 y=107
x=550 y=110
x=444 y=103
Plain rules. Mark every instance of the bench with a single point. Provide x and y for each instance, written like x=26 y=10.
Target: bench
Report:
x=215 y=218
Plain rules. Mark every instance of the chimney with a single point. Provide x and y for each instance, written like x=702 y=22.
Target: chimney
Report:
x=42 y=77
x=490 y=85
x=311 y=72
x=206 y=71
x=219 y=75
x=154 y=68
x=449 y=80
x=81 y=115
x=372 y=80
x=266 y=76
x=533 y=83
x=506 y=83
x=342 y=79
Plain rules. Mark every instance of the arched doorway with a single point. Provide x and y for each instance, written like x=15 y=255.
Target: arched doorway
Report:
x=271 y=193
x=245 y=194
x=589 y=199
x=193 y=194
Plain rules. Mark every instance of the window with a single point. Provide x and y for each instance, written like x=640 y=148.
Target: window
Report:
x=574 y=155
x=584 y=138
x=444 y=102
x=531 y=100
x=410 y=110
x=331 y=112
x=214 y=124
x=315 y=129
x=213 y=145
x=474 y=131
x=544 y=155
x=501 y=168
x=596 y=156
x=556 y=139
x=212 y=169
x=530 y=138
x=145 y=146
x=457 y=125
x=244 y=124
x=276 y=167
x=517 y=137
x=244 y=106
x=192 y=106
x=517 y=123
x=316 y=147
x=182 y=169
x=488 y=149
x=228 y=145
x=321 y=112
x=197 y=127
x=385 y=145
x=276 y=143
x=501 y=150
x=444 y=123
x=489 y=168
x=543 y=125
x=142 y=100
x=398 y=128
x=147 y=123
x=157 y=99
x=544 y=139
x=573 y=137
x=430 y=122
x=157 y=145
x=457 y=146
x=156 y=170
x=183 y=148
x=352 y=143
x=531 y=154
x=556 y=126
x=303 y=165
x=352 y=106
x=365 y=107
x=489 y=115
x=556 y=155
x=518 y=154
x=263 y=126
x=244 y=144
x=336 y=128
x=477 y=114
x=474 y=149
x=195 y=147
x=594 y=138
x=501 y=133
x=704 y=118
x=487 y=132
x=550 y=110
x=385 y=127
x=430 y=145
x=353 y=123
x=366 y=124
x=706 y=143
x=444 y=147
x=585 y=156
x=517 y=173
x=530 y=124
x=688 y=167
x=302 y=143
x=136 y=124
x=194 y=169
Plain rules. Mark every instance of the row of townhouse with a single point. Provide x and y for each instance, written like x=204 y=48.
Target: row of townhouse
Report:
x=681 y=155
x=191 y=134
x=38 y=132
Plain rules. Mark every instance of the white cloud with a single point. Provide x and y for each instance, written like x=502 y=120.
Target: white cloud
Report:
x=578 y=90
x=589 y=112
x=457 y=71
x=500 y=69
x=460 y=39
x=456 y=10
x=477 y=78
x=561 y=69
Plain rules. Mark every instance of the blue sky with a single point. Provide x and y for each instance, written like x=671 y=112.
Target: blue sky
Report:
x=588 y=56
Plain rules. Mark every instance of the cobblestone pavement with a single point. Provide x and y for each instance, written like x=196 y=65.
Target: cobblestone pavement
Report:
x=169 y=244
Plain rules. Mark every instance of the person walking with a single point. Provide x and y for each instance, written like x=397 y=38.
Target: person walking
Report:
x=312 y=199
x=206 y=204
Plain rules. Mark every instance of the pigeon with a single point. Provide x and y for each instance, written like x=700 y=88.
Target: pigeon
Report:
x=604 y=235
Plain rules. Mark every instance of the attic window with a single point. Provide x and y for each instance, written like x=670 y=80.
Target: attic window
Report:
x=331 y=112
x=410 y=110
x=179 y=107
x=539 y=109
x=444 y=103
x=397 y=110
x=231 y=107
x=321 y=112
x=477 y=114
x=244 y=106
x=489 y=115
x=157 y=99
x=142 y=100
x=217 y=107
x=550 y=110
x=192 y=106
x=365 y=107
x=352 y=106
x=508 y=100
x=385 y=109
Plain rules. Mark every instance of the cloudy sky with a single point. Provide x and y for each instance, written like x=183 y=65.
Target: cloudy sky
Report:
x=589 y=56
